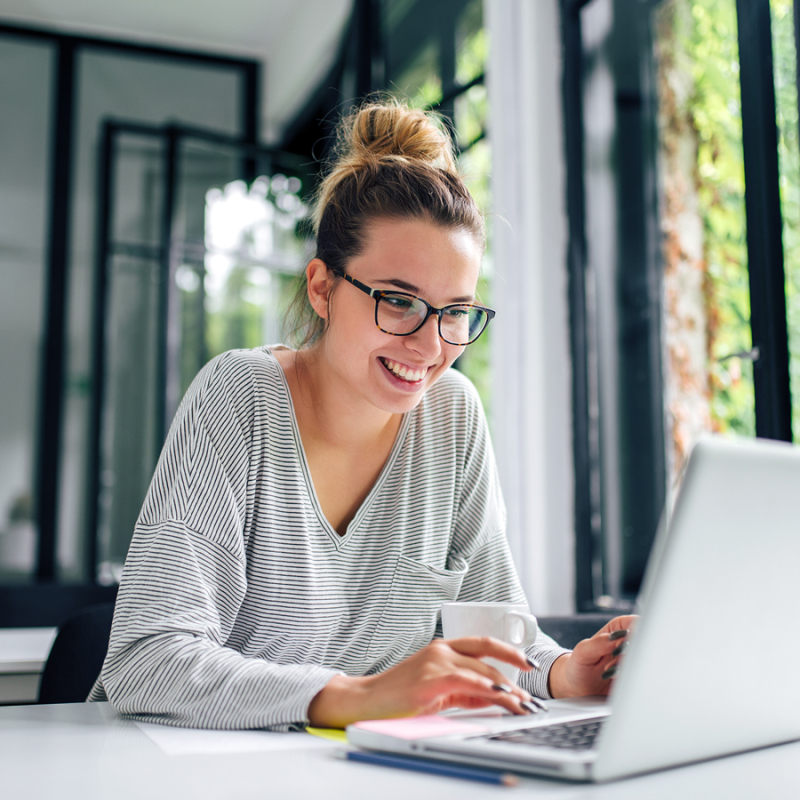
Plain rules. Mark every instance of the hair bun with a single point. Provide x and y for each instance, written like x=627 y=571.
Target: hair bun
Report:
x=393 y=130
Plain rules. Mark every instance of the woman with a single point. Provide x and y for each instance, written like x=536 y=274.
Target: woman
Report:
x=313 y=509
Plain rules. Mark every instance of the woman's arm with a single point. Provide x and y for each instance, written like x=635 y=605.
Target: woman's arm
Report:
x=185 y=577
x=167 y=658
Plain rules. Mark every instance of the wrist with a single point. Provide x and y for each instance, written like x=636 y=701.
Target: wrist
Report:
x=557 y=683
x=342 y=700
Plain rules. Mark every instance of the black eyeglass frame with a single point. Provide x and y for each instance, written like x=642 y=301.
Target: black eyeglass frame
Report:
x=377 y=294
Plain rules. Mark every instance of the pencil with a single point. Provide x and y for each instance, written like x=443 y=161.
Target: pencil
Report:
x=432 y=767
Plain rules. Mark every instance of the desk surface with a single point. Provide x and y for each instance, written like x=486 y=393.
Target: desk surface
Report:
x=86 y=751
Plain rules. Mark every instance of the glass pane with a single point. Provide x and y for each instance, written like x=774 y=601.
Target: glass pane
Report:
x=130 y=441
x=706 y=290
x=25 y=98
x=785 y=66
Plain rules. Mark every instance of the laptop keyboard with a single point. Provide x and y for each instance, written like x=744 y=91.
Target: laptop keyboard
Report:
x=578 y=735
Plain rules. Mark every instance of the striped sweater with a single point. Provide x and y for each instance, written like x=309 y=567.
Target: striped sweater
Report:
x=239 y=602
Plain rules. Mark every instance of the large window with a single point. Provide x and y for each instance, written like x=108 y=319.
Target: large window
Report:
x=685 y=185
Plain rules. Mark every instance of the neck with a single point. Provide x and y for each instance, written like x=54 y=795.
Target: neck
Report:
x=334 y=414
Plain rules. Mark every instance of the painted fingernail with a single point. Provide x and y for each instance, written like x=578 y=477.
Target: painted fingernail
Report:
x=609 y=673
x=502 y=687
x=620 y=649
x=535 y=701
x=533 y=662
x=529 y=707
x=612 y=637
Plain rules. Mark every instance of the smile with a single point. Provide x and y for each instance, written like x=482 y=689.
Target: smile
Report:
x=410 y=375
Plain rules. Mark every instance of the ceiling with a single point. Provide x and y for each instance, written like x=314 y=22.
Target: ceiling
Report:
x=296 y=40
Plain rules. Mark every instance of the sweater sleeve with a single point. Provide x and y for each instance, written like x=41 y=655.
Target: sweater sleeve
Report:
x=480 y=539
x=185 y=578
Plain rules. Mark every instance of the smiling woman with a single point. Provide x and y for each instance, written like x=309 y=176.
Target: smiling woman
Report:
x=314 y=508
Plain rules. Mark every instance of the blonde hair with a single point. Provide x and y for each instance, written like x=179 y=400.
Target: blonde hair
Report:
x=389 y=162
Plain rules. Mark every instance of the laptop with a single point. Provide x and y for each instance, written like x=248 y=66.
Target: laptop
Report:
x=712 y=665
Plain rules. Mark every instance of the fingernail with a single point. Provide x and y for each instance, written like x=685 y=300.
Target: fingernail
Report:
x=612 y=637
x=529 y=707
x=620 y=649
x=533 y=662
x=609 y=673
x=502 y=687
x=535 y=701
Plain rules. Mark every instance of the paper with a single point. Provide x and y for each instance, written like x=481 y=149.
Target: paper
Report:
x=333 y=734
x=424 y=727
x=191 y=741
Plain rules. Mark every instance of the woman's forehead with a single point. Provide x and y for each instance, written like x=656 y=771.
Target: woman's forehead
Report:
x=418 y=254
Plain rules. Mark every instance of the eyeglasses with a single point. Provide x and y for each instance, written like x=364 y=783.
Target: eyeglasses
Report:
x=401 y=314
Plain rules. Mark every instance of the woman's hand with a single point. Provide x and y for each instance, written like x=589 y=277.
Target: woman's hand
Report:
x=589 y=668
x=444 y=674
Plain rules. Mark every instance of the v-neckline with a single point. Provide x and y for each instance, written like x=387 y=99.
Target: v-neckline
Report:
x=339 y=540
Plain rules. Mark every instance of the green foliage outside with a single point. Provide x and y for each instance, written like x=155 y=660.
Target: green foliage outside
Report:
x=707 y=53
x=785 y=65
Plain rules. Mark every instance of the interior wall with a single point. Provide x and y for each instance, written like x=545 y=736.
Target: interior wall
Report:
x=532 y=413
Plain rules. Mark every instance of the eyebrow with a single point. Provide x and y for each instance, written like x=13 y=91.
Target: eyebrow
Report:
x=409 y=287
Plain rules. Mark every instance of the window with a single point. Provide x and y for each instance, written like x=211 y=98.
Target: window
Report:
x=683 y=177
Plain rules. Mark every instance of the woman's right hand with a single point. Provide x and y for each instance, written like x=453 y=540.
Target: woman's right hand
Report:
x=444 y=674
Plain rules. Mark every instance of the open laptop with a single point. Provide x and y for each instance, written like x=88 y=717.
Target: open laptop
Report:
x=712 y=664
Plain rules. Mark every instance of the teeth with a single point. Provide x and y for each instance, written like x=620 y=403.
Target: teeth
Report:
x=410 y=375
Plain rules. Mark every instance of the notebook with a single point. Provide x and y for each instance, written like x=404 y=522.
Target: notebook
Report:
x=712 y=665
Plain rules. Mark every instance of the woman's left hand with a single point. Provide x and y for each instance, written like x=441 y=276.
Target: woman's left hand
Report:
x=591 y=666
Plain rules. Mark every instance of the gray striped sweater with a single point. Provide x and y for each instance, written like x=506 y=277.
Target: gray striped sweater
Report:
x=239 y=602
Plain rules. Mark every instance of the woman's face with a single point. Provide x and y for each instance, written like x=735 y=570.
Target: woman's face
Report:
x=435 y=263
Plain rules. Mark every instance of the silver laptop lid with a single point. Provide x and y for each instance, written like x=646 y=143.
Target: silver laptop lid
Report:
x=712 y=667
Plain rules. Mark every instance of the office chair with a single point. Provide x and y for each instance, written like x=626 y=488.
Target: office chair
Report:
x=77 y=655
x=568 y=631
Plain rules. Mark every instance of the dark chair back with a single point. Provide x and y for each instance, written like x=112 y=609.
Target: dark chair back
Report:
x=77 y=655
x=568 y=631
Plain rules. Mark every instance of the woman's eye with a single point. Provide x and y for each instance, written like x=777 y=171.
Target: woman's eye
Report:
x=457 y=313
x=398 y=303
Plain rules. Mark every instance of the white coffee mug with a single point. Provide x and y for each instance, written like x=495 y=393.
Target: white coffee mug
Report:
x=509 y=622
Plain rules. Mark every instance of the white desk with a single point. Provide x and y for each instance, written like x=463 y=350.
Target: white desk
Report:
x=86 y=751
x=23 y=652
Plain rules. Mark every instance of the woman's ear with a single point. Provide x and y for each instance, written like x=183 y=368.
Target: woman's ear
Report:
x=319 y=286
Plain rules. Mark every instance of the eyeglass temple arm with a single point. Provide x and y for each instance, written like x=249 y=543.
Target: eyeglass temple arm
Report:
x=363 y=286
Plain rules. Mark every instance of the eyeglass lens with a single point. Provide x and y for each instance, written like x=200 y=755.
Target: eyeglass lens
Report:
x=400 y=314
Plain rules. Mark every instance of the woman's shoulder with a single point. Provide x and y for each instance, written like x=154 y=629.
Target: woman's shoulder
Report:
x=236 y=377
x=236 y=366
x=453 y=398
x=453 y=387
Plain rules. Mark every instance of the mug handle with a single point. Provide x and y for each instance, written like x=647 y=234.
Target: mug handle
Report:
x=529 y=624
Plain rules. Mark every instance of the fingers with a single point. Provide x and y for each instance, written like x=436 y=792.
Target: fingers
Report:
x=472 y=684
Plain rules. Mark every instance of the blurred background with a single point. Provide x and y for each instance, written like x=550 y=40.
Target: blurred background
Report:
x=638 y=162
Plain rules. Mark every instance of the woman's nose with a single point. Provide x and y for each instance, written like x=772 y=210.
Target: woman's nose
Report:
x=426 y=340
